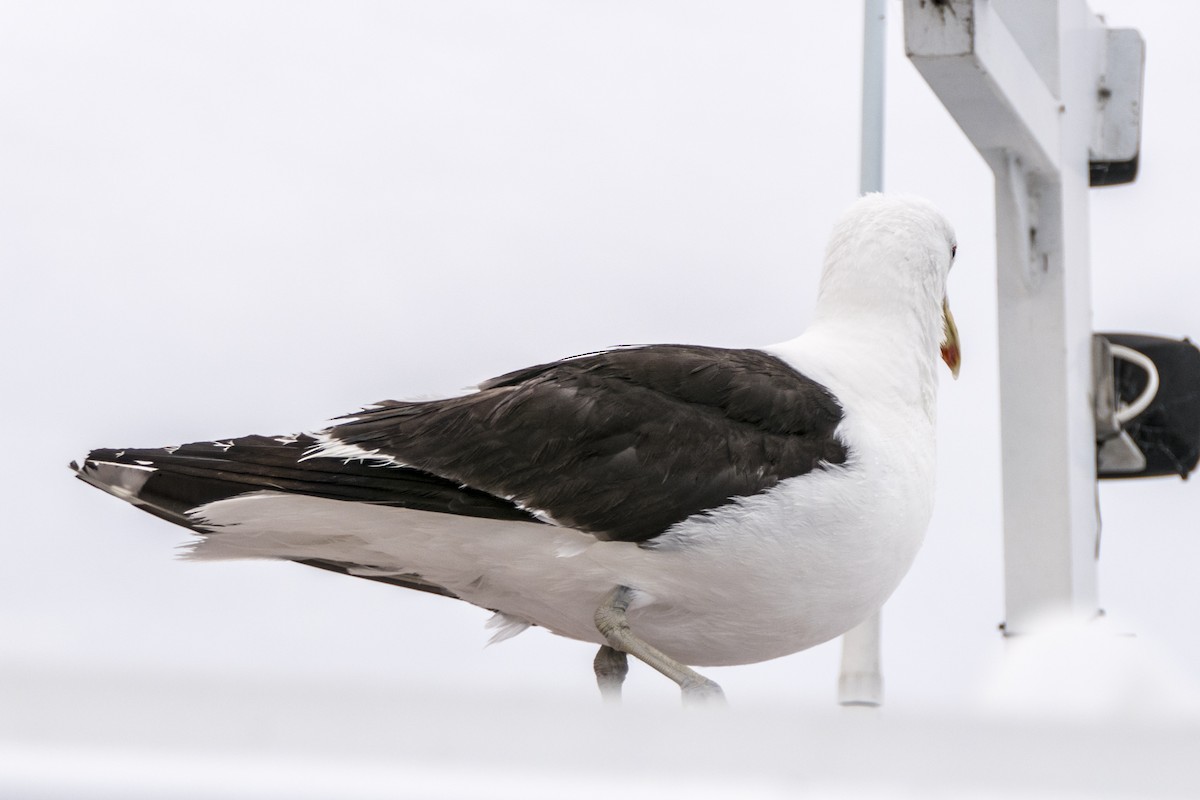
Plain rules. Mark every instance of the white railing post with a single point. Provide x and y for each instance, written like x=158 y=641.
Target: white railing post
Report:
x=860 y=682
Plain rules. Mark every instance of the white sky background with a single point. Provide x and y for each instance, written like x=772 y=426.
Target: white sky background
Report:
x=229 y=218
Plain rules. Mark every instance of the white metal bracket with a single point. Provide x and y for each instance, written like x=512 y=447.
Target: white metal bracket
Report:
x=973 y=62
x=1022 y=190
x=1117 y=138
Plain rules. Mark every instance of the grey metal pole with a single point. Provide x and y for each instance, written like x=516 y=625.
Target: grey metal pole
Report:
x=860 y=682
x=874 y=47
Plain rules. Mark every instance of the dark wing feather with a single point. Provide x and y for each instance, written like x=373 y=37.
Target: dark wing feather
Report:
x=623 y=443
x=190 y=475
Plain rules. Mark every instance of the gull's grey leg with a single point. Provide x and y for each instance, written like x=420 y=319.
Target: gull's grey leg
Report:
x=611 y=668
x=614 y=627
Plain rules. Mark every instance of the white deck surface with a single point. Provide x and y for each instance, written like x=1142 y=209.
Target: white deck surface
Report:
x=68 y=735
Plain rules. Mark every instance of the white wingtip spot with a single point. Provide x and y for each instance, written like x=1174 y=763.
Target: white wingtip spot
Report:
x=120 y=480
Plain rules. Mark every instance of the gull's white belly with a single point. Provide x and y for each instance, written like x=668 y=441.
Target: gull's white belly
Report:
x=775 y=574
x=767 y=576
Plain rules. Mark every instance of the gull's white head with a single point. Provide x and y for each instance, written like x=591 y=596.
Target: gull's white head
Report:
x=888 y=259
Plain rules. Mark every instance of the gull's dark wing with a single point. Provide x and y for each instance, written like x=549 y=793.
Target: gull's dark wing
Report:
x=621 y=444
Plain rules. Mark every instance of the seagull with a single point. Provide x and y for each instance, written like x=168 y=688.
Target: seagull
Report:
x=685 y=505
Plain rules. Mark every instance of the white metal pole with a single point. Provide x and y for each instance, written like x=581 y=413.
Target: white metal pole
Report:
x=860 y=682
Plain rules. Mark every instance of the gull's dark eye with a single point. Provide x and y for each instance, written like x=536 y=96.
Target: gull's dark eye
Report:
x=953 y=250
